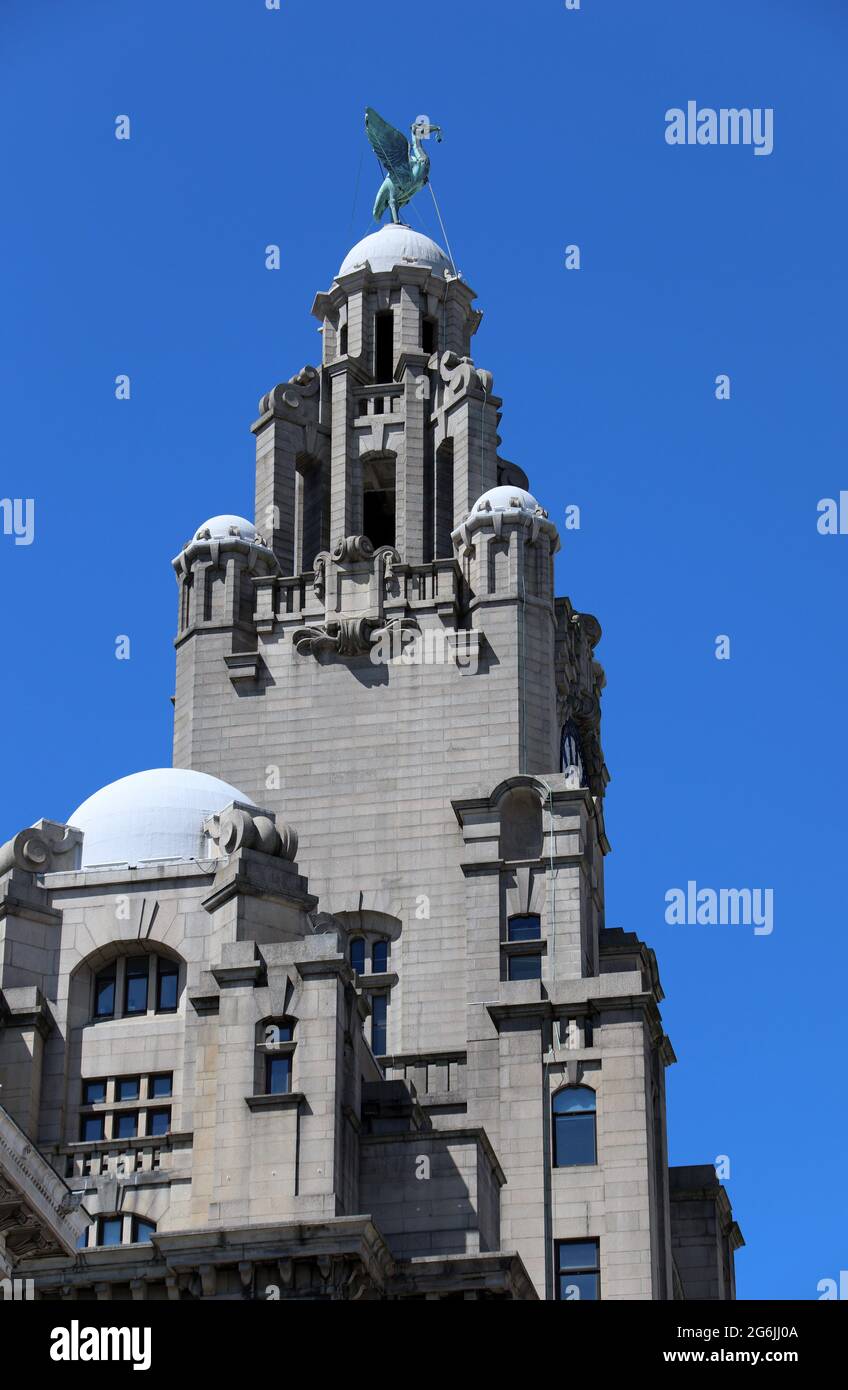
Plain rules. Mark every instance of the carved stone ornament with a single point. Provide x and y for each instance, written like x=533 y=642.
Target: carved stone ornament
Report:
x=352 y=548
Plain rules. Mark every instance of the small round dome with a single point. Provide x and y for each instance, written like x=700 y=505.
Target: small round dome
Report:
x=222 y=528
x=394 y=244
x=506 y=499
x=157 y=814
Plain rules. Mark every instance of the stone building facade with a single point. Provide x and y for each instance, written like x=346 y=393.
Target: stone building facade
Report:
x=329 y=1008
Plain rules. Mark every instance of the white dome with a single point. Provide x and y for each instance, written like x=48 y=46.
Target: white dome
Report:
x=394 y=244
x=221 y=528
x=157 y=814
x=506 y=499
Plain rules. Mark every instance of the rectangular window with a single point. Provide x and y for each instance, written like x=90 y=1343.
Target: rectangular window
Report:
x=578 y=1270
x=158 y=1121
x=384 y=347
x=428 y=335
x=92 y=1128
x=141 y=1229
x=167 y=993
x=524 y=967
x=125 y=1126
x=126 y=1088
x=93 y=1092
x=379 y=1018
x=135 y=985
x=104 y=993
x=161 y=1085
x=277 y=1075
x=109 y=1230
x=574 y=1140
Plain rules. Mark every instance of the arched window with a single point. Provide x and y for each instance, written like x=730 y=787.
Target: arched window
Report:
x=276 y=1053
x=132 y=986
x=573 y=1115
x=357 y=954
x=122 y=1228
x=380 y=957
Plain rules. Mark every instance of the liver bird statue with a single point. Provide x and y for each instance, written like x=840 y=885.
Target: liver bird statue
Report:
x=406 y=164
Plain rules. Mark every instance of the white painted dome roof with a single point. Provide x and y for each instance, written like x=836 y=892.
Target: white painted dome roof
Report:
x=221 y=528
x=157 y=814
x=506 y=499
x=394 y=244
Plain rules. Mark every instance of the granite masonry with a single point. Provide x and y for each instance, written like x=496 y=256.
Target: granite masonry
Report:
x=329 y=1008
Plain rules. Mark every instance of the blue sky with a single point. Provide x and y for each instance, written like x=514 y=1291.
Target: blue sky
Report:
x=698 y=516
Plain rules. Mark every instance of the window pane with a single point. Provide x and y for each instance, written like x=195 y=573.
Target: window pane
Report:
x=82 y=1241
x=110 y=1230
x=93 y=1092
x=380 y=956
x=104 y=993
x=142 y=1230
x=166 y=991
x=125 y=1126
x=578 y=1287
x=158 y=1121
x=379 y=1015
x=126 y=1088
x=574 y=1140
x=357 y=954
x=161 y=1085
x=277 y=1075
x=574 y=1098
x=525 y=967
x=91 y=1128
x=577 y=1254
x=135 y=1001
x=524 y=929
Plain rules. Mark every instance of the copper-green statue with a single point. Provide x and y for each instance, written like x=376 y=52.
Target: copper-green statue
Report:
x=407 y=166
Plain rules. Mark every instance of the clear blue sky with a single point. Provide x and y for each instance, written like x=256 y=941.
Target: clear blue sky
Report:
x=698 y=516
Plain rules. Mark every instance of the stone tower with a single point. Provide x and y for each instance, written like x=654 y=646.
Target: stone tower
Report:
x=329 y=1008
x=383 y=662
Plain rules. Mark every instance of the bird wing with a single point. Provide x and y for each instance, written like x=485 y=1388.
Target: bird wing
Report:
x=390 y=147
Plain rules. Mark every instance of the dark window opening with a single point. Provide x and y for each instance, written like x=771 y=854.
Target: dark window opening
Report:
x=167 y=990
x=135 y=985
x=162 y=1085
x=444 y=501
x=125 y=1125
x=142 y=1230
x=357 y=954
x=158 y=1121
x=524 y=967
x=109 y=1230
x=384 y=348
x=314 y=508
x=104 y=993
x=379 y=405
x=578 y=1270
x=127 y=1088
x=380 y=957
x=92 y=1128
x=429 y=337
x=379 y=1019
x=277 y=1075
x=363 y=406
x=378 y=501
x=343 y=340
x=575 y=1138
x=524 y=928
x=93 y=1092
